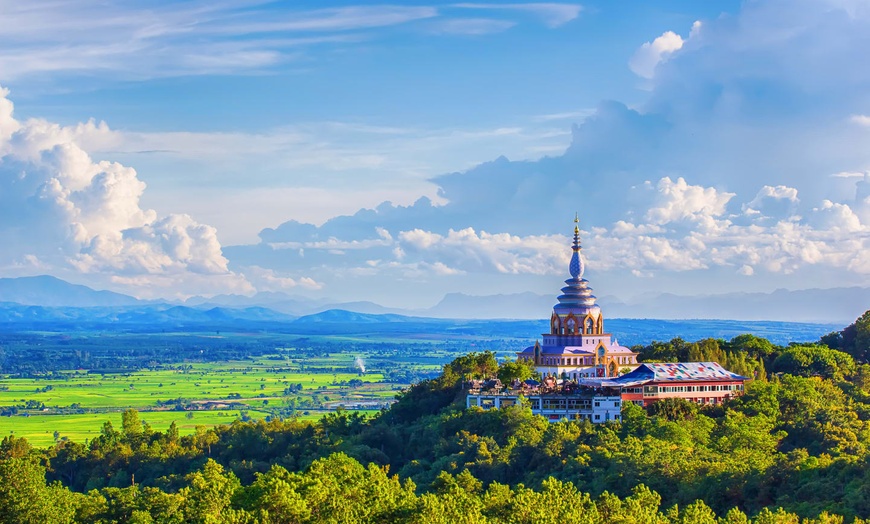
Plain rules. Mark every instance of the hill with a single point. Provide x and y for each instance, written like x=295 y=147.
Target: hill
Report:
x=50 y=291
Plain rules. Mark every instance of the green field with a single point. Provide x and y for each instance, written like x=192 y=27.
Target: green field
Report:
x=76 y=404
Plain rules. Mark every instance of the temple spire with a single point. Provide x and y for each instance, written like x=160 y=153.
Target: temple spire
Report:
x=576 y=267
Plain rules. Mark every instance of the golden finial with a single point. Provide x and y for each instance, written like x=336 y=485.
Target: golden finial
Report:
x=576 y=222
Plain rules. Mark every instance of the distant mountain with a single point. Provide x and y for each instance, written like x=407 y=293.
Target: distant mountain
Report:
x=290 y=304
x=364 y=306
x=515 y=305
x=351 y=317
x=139 y=317
x=839 y=305
x=282 y=302
x=16 y=318
x=835 y=305
x=50 y=291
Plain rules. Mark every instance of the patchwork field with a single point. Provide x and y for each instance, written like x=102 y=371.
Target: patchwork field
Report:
x=75 y=404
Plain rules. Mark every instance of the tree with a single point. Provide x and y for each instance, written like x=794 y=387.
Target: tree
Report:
x=814 y=360
x=753 y=345
x=209 y=493
x=520 y=369
x=25 y=497
x=131 y=426
x=856 y=338
x=674 y=409
x=172 y=432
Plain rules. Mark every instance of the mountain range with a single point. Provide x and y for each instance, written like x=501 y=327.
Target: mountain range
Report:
x=834 y=305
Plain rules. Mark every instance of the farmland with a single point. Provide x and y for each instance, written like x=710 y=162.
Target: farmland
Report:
x=302 y=379
x=66 y=383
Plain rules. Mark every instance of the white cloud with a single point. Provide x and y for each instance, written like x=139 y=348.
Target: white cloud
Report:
x=645 y=60
x=677 y=200
x=62 y=208
x=169 y=40
x=268 y=279
x=471 y=251
x=553 y=14
x=832 y=236
x=199 y=38
x=421 y=270
x=566 y=115
x=773 y=201
x=835 y=216
x=861 y=120
x=736 y=134
x=336 y=245
x=472 y=26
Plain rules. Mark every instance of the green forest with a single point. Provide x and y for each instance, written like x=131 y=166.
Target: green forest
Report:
x=793 y=449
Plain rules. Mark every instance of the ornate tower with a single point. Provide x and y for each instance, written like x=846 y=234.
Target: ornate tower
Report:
x=576 y=313
x=577 y=347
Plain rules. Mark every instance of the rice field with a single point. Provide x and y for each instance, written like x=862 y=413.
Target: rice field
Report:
x=77 y=405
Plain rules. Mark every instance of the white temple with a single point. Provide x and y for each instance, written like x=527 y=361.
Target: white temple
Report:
x=577 y=346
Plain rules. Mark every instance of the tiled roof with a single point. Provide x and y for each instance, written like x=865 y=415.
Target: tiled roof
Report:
x=690 y=371
x=668 y=372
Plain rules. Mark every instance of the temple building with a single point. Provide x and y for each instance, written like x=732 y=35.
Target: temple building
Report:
x=577 y=346
x=698 y=382
x=587 y=375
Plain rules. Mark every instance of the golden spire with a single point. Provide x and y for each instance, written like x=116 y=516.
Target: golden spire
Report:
x=576 y=223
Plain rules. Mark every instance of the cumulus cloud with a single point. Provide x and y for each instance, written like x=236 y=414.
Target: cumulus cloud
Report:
x=861 y=120
x=678 y=200
x=686 y=227
x=831 y=236
x=645 y=60
x=745 y=121
x=502 y=252
x=778 y=201
x=69 y=212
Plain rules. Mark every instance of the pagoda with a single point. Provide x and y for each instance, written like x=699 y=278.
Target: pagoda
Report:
x=577 y=346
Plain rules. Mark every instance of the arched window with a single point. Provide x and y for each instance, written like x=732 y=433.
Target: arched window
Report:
x=589 y=329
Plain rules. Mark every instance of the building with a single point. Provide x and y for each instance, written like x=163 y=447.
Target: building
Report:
x=699 y=382
x=588 y=375
x=577 y=346
x=555 y=401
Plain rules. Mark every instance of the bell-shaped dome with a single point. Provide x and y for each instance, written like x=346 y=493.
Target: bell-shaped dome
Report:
x=577 y=297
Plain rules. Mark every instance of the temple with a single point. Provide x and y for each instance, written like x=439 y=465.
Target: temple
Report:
x=587 y=375
x=577 y=347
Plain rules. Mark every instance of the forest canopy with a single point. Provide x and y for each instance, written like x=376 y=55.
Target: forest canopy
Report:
x=794 y=446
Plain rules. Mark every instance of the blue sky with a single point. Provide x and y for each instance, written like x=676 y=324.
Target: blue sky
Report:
x=157 y=149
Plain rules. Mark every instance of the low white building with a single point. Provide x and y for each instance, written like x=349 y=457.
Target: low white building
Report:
x=597 y=407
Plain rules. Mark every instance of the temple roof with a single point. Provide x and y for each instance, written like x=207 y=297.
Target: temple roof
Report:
x=577 y=350
x=691 y=371
x=577 y=296
x=672 y=372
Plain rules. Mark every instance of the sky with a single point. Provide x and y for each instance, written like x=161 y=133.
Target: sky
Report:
x=398 y=152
